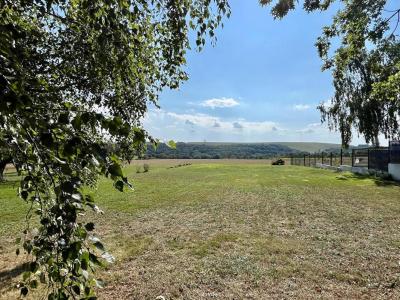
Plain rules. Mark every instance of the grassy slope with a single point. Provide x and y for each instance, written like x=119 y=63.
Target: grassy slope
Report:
x=229 y=230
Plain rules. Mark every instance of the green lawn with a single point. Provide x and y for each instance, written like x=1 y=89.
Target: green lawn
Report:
x=238 y=230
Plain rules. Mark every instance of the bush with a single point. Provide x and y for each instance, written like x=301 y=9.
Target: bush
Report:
x=279 y=162
x=384 y=176
x=138 y=169
x=146 y=167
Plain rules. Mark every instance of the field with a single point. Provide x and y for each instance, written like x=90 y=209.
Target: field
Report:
x=226 y=229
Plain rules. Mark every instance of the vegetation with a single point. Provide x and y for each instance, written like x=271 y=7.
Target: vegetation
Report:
x=365 y=65
x=242 y=150
x=220 y=150
x=309 y=147
x=236 y=230
x=76 y=76
x=146 y=168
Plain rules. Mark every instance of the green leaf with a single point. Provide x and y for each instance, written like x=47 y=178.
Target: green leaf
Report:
x=115 y=170
x=108 y=257
x=33 y=284
x=26 y=275
x=76 y=289
x=77 y=122
x=24 y=194
x=89 y=226
x=85 y=274
x=33 y=266
x=171 y=144
x=99 y=283
x=24 y=291
x=99 y=246
x=119 y=185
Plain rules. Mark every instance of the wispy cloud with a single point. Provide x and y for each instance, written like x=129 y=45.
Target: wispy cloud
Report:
x=305 y=131
x=220 y=103
x=313 y=128
x=301 y=107
x=195 y=126
x=210 y=122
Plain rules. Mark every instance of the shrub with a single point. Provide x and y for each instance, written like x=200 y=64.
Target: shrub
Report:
x=279 y=162
x=146 y=167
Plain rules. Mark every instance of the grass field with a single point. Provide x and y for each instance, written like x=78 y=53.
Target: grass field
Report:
x=237 y=230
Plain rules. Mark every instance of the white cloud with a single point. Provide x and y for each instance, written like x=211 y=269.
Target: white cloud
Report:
x=194 y=126
x=206 y=121
x=301 y=107
x=220 y=102
x=314 y=125
x=305 y=131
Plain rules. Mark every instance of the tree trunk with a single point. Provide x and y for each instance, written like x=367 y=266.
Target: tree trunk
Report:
x=3 y=164
x=376 y=141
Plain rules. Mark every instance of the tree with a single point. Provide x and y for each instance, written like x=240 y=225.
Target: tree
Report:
x=5 y=159
x=5 y=156
x=76 y=76
x=365 y=66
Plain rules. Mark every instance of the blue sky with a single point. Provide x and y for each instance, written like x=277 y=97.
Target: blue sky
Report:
x=261 y=82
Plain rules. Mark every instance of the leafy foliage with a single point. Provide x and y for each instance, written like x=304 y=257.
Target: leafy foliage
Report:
x=75 y=77
x=365 y=66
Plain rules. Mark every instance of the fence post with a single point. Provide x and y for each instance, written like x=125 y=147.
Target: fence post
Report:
x=352 y=157
x=331 y=159
x=304 y=160
x=341 y=156
x=322 y=157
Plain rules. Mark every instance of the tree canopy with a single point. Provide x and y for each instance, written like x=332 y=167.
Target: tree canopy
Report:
x=75 y=76
x=361 y=48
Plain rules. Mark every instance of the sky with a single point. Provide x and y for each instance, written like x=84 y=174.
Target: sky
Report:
x=261 y=82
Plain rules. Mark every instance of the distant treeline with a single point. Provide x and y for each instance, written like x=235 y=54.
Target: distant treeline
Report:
x=216 y=151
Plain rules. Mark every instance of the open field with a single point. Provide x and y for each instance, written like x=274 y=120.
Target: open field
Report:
x=234 y=229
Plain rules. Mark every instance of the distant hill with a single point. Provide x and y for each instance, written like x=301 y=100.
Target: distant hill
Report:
x=309 y=146
x=215 y=150
x=221 y=150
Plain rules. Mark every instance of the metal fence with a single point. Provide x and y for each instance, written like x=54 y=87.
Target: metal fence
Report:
x=371 y=158
x=326 y=158
x=394 y=152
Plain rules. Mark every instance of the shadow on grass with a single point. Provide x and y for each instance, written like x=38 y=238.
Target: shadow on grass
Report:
x=7 y=275
x=377 y=180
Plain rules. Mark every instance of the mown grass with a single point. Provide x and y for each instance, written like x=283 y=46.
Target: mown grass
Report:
x=240 y=230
